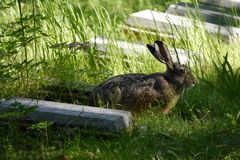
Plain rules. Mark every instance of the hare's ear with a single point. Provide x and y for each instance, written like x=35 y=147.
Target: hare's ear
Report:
x=155 y=52
x=165 y=54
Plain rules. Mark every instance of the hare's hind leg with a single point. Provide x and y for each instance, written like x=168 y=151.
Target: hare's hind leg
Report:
x=167 y=109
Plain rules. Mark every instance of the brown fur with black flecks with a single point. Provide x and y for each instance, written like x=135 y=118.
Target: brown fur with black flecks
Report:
x=136 y=92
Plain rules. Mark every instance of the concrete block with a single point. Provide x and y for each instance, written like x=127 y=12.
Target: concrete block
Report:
x=223 y=3
x=136 y=48
x=204 y=11
x=85 y=117
x=164 y=22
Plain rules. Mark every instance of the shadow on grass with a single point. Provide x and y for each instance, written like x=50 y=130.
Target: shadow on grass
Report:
x=198 y=128
x=152 y=138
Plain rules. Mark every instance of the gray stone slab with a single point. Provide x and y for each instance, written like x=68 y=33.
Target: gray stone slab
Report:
x=136 y=48
x=223 y=3
x=104 y=45
x=209 y=14
x=85 y=117
x=148 y=33
x=164 y=22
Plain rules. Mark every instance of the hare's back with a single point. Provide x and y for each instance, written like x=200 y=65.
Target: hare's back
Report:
x=131 y=89
x=126 y=78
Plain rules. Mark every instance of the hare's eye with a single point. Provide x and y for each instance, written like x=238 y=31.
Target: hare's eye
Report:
x=181 y=71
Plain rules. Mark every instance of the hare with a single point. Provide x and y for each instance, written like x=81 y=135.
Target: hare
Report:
x=136 y=92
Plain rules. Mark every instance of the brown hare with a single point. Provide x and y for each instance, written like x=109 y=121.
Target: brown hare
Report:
x=136 y=92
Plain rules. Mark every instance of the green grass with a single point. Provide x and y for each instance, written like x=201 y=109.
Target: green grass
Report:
x=203 y=125
x=158 y=137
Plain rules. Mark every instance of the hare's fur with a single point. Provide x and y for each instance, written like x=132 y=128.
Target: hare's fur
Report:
x=136 y=92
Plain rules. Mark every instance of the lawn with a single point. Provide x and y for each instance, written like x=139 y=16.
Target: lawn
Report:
x=205 y=124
